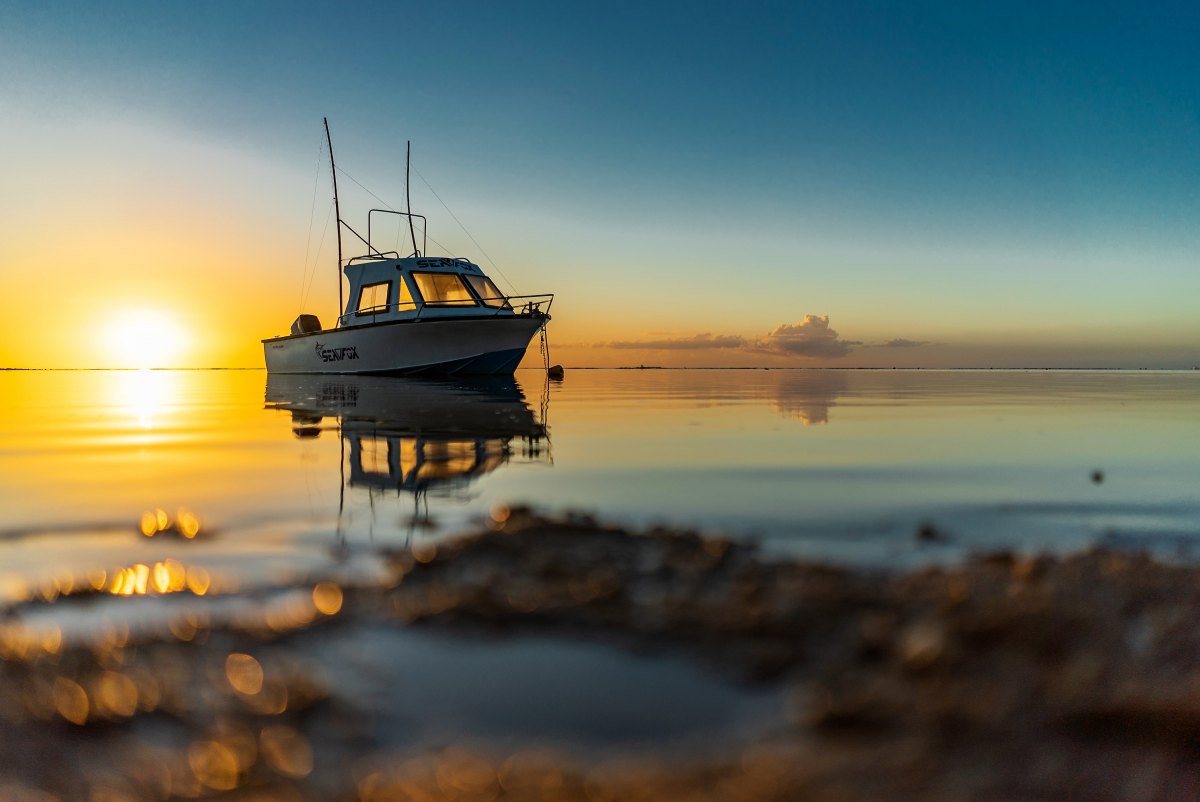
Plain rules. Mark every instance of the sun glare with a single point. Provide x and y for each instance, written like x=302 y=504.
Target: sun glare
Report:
x=143 y=338
x=144 y=395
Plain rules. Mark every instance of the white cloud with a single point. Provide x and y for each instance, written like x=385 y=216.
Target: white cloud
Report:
x=811 y=337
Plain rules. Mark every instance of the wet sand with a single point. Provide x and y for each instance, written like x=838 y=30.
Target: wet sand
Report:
x=1006 y=677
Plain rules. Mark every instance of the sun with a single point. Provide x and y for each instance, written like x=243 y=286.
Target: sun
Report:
x=143 y=338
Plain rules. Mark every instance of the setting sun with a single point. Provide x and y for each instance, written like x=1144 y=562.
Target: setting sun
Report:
x=143 y=338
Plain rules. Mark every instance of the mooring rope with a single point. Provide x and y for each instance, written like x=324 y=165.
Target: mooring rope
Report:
x=307 y=288
x=312 y=211
x=389 y=207
x=492 y=262
x=449 y=211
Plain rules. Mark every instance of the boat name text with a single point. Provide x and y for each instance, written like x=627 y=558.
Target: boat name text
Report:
x=447 y=263
x=336 y=354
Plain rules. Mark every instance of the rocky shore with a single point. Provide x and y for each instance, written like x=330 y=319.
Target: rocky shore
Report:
x=1006 y=677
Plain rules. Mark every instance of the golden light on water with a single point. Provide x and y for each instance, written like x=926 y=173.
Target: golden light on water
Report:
x=198 y=581
x=327 y=598
x=143 y=394
x=188 y=524
x=115 y=694
x=52 y=640
x=244 y=673
x=168 y=576
x=157 y=521
x=143 y=338
x=286 y=750
x=70 y=700
x=214 y=764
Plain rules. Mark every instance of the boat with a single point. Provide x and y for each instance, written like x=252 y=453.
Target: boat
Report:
x=410 y=315
x=415 y=436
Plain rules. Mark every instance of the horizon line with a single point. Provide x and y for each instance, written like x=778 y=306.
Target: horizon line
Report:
x=656 y=367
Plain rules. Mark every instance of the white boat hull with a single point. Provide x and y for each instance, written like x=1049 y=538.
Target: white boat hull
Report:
x=487 y=346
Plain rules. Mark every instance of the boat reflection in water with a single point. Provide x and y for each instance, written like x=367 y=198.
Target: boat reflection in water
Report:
x=415 y=437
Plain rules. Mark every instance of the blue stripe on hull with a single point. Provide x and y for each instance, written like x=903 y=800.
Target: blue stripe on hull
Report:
x=493 y=363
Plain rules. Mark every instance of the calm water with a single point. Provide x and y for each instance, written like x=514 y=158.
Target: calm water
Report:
x=295 y=477
x=220 y=493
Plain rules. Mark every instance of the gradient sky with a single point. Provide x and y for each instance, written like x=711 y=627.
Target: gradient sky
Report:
x=834 y=183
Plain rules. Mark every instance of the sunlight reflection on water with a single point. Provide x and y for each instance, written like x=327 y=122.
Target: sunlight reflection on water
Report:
x=110 y=473
x=214 y=546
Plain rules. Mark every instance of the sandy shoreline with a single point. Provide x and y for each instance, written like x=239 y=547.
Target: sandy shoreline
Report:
x=1006 y=677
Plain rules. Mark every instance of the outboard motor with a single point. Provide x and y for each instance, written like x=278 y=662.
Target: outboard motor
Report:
x=306 y=324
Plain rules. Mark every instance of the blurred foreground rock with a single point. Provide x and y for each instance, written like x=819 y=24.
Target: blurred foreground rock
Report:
x=1008 y=677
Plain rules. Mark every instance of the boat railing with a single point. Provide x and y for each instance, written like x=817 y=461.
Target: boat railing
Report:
x=410 y=216
x=372 y=257
x=533 y=306
x=537 y=306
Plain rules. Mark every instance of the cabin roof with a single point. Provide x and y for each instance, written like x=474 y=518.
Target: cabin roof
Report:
x=370 y=266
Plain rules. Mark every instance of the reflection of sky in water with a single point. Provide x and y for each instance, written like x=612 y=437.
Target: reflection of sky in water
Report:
x=654 y=702
x=169 y=504
x=334 y=468
x=807 y=395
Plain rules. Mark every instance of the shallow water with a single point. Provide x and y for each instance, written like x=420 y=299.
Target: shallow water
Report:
x=178 y=499
x=261 y=482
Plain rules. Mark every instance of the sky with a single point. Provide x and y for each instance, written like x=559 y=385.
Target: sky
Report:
x=932 y=184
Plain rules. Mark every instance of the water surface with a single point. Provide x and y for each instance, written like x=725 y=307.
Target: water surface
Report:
x=166 y=502
x=260 y=481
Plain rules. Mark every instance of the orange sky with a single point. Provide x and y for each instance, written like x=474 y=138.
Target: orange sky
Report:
x=108 y=221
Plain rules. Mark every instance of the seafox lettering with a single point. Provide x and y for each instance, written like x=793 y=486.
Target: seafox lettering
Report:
x=427 y=263
x=336 y=354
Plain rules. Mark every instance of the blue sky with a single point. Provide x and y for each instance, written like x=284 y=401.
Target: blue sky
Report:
x=962 y=175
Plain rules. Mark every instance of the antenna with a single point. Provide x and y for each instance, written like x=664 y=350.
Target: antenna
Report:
x=408 y=197
x=338 y=214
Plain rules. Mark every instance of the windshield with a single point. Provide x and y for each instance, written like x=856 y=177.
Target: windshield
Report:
x=488 y=293
x=443 y=289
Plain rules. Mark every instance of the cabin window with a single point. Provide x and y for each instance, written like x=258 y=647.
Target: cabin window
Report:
x=406 y=297
x=375 y=456
x=443 y=289
x=447 y=459
x=488 y=293
x=373 y=298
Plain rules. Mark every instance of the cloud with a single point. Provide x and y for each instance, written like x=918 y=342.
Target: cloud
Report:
x=696 y=343
x=901 y=342
x=811 y=337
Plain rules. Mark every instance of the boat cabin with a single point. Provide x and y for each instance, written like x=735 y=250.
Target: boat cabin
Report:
x=383 y=290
